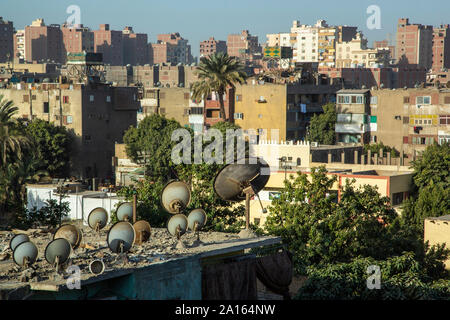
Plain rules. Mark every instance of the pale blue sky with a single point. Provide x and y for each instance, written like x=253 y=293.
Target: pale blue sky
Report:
x=198 y=20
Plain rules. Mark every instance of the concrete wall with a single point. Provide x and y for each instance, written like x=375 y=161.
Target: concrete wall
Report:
x=437 y=230
x=268 y=115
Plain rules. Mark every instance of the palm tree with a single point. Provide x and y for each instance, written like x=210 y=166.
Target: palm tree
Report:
x=216 y=73
x=13 y=143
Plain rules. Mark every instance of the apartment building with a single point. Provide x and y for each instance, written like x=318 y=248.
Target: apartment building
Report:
x=212 y=107
x=170 y=48
x=406 y=119
x=98 y=115
x=43 y=43
x=135 y=47
x=243 y=45
x=77 y=39
x=19 y=45
x=6 y=40
x=287 y=108
x=414 y=44
x=356 y=53
x=278 y=40
x=110 y=44
x=211 y=46
x=385 y=44
x=441 y=48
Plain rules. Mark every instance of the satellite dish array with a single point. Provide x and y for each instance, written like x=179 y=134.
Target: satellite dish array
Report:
x=175 y=198
x=235 y=182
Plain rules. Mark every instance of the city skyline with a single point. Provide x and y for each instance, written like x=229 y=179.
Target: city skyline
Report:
x=264 y=18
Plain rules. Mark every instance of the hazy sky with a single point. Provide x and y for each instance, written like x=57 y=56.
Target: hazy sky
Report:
x=197 y=20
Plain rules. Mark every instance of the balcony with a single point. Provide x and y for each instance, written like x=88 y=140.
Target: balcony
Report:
x=351 y=128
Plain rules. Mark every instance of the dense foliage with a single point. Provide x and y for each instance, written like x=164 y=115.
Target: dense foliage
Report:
x=431 y=187
x=321 y=126
x=334 y=242
x=53 y=147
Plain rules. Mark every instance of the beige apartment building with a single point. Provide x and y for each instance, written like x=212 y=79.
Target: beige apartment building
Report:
x=355 y=53
x=283 y=108
x=406 y=119
x=98 y=115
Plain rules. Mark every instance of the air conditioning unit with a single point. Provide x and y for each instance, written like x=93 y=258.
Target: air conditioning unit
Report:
x=314 y=144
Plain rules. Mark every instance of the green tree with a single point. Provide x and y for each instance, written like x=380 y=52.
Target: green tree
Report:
x=321 y=126
x=431 y=187
x=403 y=277
x=53 y=147
x=216 y=73
x=153 y=137
x=13 y=142
x=319 y=230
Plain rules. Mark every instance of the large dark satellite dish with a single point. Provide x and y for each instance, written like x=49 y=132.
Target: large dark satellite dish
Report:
x=125 y=211
x=58 y=251
x=71 y=233
x=143 y=231
x=121 y=237
x=18 y=239
x=97 y=219
x=25 y=254
x=175 y=196
x=234 y=178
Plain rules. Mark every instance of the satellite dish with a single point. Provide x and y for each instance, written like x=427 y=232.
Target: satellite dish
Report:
x=121 y=237
x=25 y=254
x=71 y=233
x=143 y=231
x=177 y=226
x=175 y=196
x=57 y=252
x=97 y=267
x=236 y=182
x=97 y=219
x=233 y=179
x=18 y=239
x=125 y=211
x=196 y=220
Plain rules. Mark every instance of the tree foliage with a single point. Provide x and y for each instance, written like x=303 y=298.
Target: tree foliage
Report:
x=53 y=147
x=431 y=187
x=319 y=230
x=376 y=147
x=321 y=126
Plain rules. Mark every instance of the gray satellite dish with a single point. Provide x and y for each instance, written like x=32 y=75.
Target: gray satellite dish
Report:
x=97 y=267
x=121 y=237
x=237 y=182
x=125 y=211
x=57 y=252
x=25 y=254
x=18 y=239
x=175 y=197
x=177 y=226
x=71 y=233
x=97 y=219
x=197 y=220
x=143 y=231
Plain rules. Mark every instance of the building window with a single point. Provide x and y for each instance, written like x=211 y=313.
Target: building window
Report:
x=373 y=100
x=406 y=100
x=91 y=98
x=239 y=97
x=46 y=107
x=447 y=100
x=65 y=99
x=444 y=119
x=239 y=116
x=423 y=100
x=87 y=137
x=405 y=140
x=108 y=98
x=397 y=198
x=186 y=96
